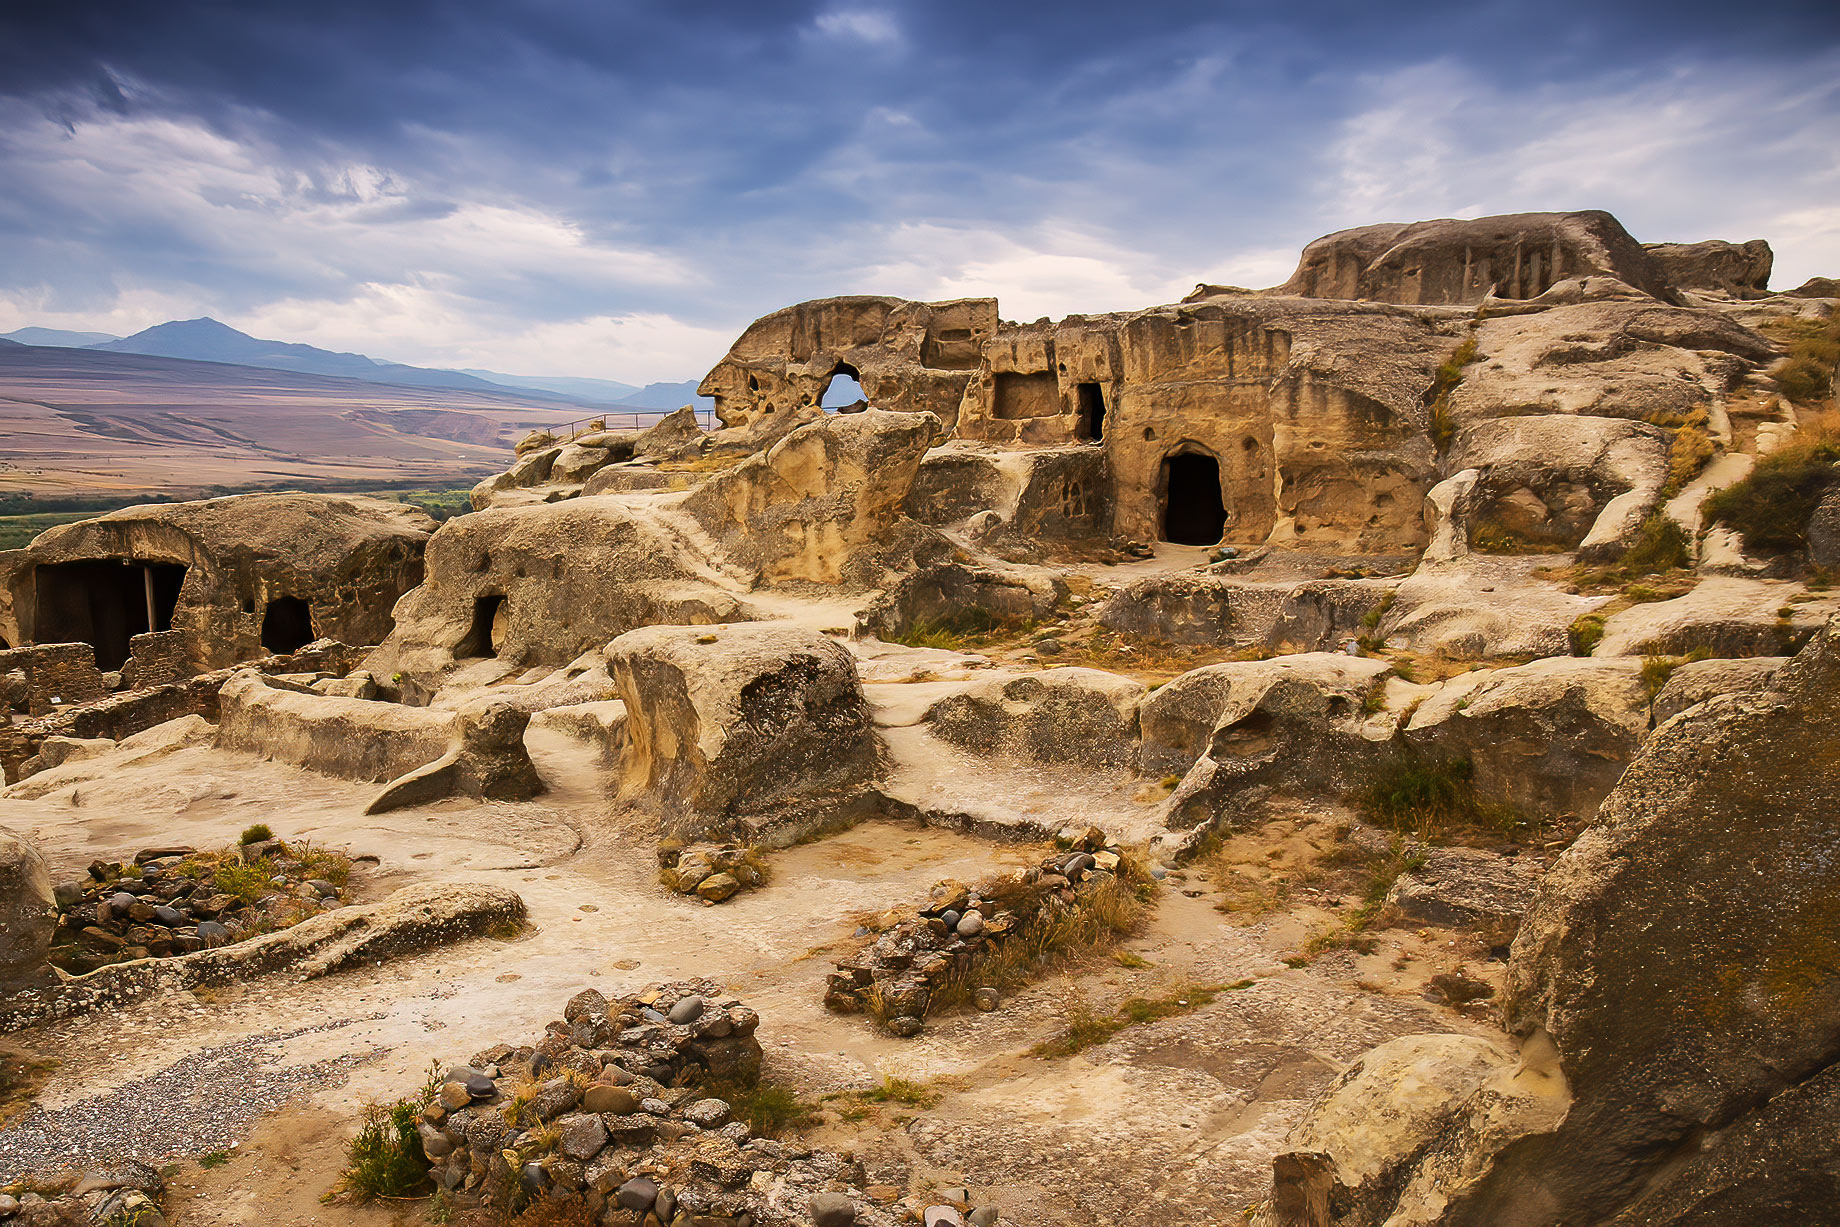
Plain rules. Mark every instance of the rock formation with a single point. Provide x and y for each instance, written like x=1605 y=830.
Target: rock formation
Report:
x=241 y=577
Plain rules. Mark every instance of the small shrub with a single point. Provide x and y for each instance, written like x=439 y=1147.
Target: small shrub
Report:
x=386 y=1159
x=1771 y=507
x=216 y=1158
x=1656 y=670
x=903 y=1090
x=769 y=1109
x=256 y=834
x=1585 y=633
x=1660 y=545
x=1449 y=374
x=1371 y=619
x=1691 y=448
x=1086 y=1027
x=1434 y=800
x=247 y=882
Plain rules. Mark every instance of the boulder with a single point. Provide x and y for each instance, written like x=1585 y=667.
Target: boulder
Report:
x=1548 y=738
x=824 y=504
x=1739 y=270
x=1558 y=481
x=756 y=731
x=1085 y=716
x=28 y=913
x=1466 y=888
x=1465 y=260
x=1481 y=607
x=1639 y=360
x=1823 y=531
x=1699 y=680
x=1238 y=732
x=1416 y=1126
x=1724 y=615
x=1680 y=960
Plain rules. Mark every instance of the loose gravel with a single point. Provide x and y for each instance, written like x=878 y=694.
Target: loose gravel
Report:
x=200 y=1104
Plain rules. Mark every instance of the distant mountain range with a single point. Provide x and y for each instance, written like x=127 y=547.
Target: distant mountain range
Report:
x=207 y=340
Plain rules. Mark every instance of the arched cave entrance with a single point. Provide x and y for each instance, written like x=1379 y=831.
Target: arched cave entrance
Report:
x=486 y=635
x=1091 y=424
x=1193 y=511
x=844 y=393
x=104 y=602
x=287 y=625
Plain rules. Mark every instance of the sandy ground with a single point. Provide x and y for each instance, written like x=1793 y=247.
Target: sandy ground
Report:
x=1180 y=1116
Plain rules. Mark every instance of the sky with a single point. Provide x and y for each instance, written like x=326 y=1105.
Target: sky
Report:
x=608 y=189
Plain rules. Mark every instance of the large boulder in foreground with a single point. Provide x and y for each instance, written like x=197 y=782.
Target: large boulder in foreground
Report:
x=27 y=913
x=756 y=731
x=1684 y=954
x=1678 y=978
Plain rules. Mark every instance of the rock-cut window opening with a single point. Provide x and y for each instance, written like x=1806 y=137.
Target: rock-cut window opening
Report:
x=104 y=603
x=1091 y=424
x=844 y=391
x=287 y=625
x=1193 y=511
x=486 y=636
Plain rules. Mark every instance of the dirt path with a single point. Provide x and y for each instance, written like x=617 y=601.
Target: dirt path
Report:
x=1179 y=1117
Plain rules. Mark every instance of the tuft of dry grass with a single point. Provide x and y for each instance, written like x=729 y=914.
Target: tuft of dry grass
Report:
x=1087 y=1027
x=1108 y=909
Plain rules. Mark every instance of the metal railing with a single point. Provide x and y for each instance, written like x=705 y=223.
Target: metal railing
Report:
x=637 y=419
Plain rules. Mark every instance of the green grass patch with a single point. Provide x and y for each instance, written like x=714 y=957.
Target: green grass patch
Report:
x=217 y=1158
x=770 y=1110
x=1449 y=374
x=1086 y=1027
x=247 y=881
x=386 y=1158
x=1354 y=925
x=1585 y=633
x=955 y=632
x=1770 y=508
x=1435 y=801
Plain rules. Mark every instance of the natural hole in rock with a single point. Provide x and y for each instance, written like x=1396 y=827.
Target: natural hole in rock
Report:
x=249 y=604
x=105 y=603
x=1091 y=426
x=843 y=392
x=287 y=625
x=1193 y=513
x=486 y=635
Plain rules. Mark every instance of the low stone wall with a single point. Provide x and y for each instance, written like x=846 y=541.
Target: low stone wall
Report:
x=57 y=674
x=905 y=973
x=353 y=739
x=158 y=658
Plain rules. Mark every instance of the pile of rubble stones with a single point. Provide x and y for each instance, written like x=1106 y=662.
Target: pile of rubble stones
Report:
x=173 y=901
x=114 y=1193
x=899 y=976
x=611 y=1110
x=711 y=872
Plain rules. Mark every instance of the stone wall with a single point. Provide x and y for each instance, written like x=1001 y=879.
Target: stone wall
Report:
x=57 y=674
x=158 y=658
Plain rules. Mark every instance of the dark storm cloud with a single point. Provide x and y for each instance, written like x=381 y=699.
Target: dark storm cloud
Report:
x=445 y=175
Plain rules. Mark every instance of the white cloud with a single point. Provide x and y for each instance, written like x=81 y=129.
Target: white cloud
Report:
x=862 y=25
x=1697 y=153
x=1051 y=270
